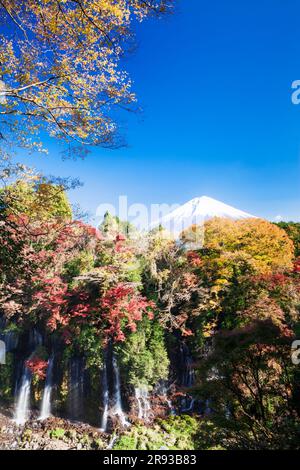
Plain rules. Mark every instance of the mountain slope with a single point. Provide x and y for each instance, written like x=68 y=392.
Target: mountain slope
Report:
x=196 y=212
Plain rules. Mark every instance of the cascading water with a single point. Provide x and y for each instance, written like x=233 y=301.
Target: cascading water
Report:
x=35 y=339
x=187 y=404
x=144 y=407
x=76 y=388
x=168 y=401
x=22 y=404
x=11 y=340
x=22 y=408
x=162 y=390
x=105 y=396
x=46 y=401
x=187 y=377
x=9 y=336
x=188 y=372
x=118 y=409
x=112 y=442
x=171 y=407
x=227 y=412
x=207 y=407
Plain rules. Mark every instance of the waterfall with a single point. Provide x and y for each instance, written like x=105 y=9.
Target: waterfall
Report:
x=187 y=377
x=76 y=388
x=11 y=340
x=188 y=372
x=112 y=442
x=118 y=409
x=164 y=391
x=22 y=404
x=161 y=389
x=188 y=404
x=171 y=407
x=23 y=392
x=8 y=335
x=207 y=407
x=46 y=401
x=144 y=407
x=35 y=339
x=105 y=396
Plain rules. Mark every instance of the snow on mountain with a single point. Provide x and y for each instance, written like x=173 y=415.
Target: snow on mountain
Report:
x=196 y=211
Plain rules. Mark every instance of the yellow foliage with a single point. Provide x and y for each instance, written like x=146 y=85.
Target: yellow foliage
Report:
x=59 y=63
x=262 y=245
x=43 y=202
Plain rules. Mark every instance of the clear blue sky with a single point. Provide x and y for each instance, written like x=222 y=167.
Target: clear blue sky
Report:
x=214 y=81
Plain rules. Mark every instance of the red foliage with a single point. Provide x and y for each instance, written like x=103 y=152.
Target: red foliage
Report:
x=67 y=336
x=52 y=297
x=190 y=280
x=120 y=245
x=62 y=304
x=36 y=253
x=123 y=307
x=37 y=366
x=187 y=332
x=297 y=266
x=120 y=237
x=194 y=259
x=272 y=281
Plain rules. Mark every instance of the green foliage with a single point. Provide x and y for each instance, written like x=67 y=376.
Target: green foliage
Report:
x=57 y=433
x=43 y=201
x=109 y=224
x=27 y=435
x=133 y=272
x=237 y=301
x=144 y=359
x=182 y=429
x=249 y=376
x=126 y=443
x=6 y=374
x=175 y=433
x=293 y=231
x=209 y=436
x=89 y=343
x=112 y=225
x=12 y=327
x=81 y=264
x=97 y=444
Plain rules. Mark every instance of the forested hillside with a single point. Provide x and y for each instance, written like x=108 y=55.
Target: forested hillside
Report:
x=135 y=341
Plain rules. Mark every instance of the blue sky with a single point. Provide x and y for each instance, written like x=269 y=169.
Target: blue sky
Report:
x=214 y=81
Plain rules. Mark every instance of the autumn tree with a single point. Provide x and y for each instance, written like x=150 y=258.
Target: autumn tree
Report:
x=250 y=381
x=38 y=242
x=267 y=247
x=38 y=201
x=170 y=278
x=59 y=68
x=293 y=231
x=235 y=254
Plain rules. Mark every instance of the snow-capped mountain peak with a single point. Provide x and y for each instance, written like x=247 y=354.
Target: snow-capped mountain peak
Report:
x=196 y=211
x=208 y=207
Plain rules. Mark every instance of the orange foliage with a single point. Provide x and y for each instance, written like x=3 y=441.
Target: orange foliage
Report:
x=268 y=246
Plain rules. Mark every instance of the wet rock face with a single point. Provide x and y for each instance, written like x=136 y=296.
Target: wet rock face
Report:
x=101 y=397
x=187 y=372
x=76 y=388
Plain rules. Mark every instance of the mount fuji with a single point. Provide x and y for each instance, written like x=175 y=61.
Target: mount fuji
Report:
x=197 y=211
